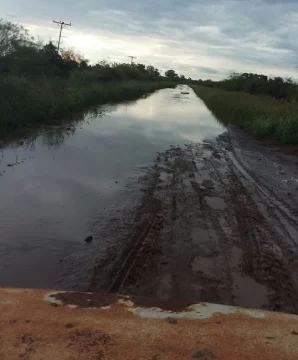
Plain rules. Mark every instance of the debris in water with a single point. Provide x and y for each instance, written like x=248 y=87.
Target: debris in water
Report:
x=89 y=239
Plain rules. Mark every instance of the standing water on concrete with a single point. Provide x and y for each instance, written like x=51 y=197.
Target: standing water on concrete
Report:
x=56 y=188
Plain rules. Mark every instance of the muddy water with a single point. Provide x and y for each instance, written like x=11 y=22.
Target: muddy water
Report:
x=62 y=186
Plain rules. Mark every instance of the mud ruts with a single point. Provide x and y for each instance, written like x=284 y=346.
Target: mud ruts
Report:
x=210 y=229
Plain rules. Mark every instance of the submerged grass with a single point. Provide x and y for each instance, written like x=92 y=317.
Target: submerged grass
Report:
x=262 y=117
x=26 y=105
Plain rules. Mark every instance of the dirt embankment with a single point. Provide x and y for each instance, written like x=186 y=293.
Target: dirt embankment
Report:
x=218 y=223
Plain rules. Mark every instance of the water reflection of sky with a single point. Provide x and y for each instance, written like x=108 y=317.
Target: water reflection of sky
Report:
x=66 y=178
x=161 y=119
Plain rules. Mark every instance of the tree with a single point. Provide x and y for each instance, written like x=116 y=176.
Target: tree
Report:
x=171 y=74
x=156 y=72
x=103 y=63
x=289 y=80
x=72 y=60
x=71 y=56
x=11 y=37
x=150 y=69
x=140 y=67
x=84 y=65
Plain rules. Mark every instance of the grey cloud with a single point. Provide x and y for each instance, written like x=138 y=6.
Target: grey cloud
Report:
x=209 y=70
x=252 y=34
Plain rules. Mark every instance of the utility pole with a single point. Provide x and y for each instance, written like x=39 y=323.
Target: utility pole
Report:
x=61 y=23
x=132 y=57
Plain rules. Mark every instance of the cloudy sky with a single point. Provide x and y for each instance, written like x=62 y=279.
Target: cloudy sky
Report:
x=201 y=39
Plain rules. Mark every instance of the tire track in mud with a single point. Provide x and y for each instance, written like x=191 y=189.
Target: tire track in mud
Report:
x=263 y=261
x=148 y=222
x=275 y=247
x=214 y=222
x=110 y=273
x=204 y=233
x=142 y=246
x=265 y=192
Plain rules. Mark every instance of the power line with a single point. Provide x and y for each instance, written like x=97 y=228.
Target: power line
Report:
x=61 y=23
x=132 y=57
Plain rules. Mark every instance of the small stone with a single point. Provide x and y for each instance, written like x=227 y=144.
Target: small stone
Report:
x=69 y=326
x=203 y=355
x=90 y=303
x=172 y=320
x=295 y=332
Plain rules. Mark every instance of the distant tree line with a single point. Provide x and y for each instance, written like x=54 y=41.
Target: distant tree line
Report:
x=256 y=84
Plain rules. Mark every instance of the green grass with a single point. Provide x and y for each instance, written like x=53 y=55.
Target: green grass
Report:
x=26 y=105
x=262 y=117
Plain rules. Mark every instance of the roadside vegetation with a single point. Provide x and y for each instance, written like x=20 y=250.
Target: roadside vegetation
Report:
x=38 y=86
x=256 y=84
x=266 y=108
x=260 y=116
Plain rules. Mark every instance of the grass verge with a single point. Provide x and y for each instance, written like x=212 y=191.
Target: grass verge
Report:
x=262 y=117
x=26 y=105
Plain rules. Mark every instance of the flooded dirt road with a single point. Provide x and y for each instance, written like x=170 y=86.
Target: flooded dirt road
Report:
x=67 y=183
x=179 y=208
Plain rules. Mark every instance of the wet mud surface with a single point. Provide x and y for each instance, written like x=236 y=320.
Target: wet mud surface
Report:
x=217 y=223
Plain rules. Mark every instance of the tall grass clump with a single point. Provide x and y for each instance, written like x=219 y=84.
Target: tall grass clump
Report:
x=260 y=116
